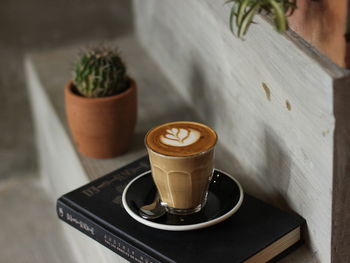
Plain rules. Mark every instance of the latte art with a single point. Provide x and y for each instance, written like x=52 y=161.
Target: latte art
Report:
x=180 y=137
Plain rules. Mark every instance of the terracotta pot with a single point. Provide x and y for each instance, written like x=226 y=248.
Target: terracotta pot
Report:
x=101 y=127
x=323 y=24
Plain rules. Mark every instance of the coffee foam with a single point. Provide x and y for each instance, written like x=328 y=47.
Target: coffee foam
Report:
x=181 y=138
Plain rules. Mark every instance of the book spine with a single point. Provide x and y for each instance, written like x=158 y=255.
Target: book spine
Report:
x=101 y=235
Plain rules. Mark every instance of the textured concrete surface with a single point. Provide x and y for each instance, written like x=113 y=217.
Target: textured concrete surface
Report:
x=36 y=25
x=256 y=93
x=16 y=136
x=29 y=230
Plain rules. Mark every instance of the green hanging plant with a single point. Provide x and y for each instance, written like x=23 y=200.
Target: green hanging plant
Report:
x=243 y=12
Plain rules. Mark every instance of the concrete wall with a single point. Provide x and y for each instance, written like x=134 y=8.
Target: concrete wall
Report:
x=269 y=97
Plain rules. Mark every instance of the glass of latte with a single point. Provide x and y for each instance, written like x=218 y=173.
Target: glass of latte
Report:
x=182 y=162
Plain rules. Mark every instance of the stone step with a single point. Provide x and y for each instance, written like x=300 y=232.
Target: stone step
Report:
x=62 y=168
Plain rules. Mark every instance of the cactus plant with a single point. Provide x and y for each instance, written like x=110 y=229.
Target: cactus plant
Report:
x=100 y=72
x=243 y=12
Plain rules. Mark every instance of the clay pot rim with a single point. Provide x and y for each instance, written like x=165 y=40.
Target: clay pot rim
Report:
x=126 y=92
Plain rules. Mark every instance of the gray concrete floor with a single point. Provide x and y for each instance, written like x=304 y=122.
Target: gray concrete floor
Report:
x=29 y=230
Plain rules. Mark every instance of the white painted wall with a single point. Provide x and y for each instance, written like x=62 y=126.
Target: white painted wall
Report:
x=281 y=153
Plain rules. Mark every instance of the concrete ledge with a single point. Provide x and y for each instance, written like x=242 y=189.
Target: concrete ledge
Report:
x=62 y=168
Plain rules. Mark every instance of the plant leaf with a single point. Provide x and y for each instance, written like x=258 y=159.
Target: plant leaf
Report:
x=247 y=19
x=232 y=14
x=279 y=16
x=241 y=11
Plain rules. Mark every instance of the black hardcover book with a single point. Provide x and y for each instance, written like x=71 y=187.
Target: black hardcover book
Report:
x=258 y=232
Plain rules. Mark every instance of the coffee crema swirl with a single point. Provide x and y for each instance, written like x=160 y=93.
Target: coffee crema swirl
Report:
x=181 y=138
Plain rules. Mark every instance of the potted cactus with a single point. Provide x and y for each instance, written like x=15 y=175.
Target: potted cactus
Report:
x=101 y=104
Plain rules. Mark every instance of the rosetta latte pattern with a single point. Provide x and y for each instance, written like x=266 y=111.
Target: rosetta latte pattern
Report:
x=180 y=137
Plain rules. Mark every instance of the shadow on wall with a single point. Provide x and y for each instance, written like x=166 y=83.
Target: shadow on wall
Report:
x=276 y=172
x=201 y=94
x=277 y=175
x=272 y=180
x=205 y=92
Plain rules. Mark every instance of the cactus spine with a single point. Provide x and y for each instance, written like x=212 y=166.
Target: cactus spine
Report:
x=100 y=72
